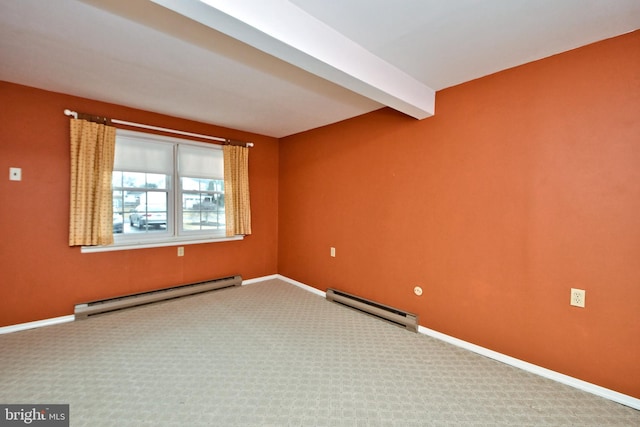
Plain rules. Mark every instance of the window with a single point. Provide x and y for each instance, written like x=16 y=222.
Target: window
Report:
x=166 y=191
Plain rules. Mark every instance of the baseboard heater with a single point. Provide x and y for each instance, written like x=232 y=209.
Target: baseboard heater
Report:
x=393 y=315
x=85 y=310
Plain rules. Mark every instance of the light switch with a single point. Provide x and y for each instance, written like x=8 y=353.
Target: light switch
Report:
x=15 y=174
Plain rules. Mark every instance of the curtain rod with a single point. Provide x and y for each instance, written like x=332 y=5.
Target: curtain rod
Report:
x=74 y=114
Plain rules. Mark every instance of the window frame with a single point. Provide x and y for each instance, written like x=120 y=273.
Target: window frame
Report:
x=174 y=235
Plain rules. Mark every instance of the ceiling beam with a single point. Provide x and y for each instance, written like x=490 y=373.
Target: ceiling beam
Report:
x=287 y=32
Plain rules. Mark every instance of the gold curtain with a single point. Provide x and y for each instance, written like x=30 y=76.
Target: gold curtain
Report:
x=92 y=154
x=236 y=190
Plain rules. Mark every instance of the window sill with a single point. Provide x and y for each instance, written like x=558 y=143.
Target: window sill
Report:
x=125 y=246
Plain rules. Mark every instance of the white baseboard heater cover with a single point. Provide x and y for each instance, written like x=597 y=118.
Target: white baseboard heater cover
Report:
x=85 y=310
x=393 y=315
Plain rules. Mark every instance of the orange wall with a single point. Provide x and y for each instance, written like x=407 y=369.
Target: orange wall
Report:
x=526 y=183
x=41 y=276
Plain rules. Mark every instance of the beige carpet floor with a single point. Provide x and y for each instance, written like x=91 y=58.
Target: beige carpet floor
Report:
x=272 y=354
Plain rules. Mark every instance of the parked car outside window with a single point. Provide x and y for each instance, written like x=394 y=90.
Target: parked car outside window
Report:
x=118 y=223
x=148 y=216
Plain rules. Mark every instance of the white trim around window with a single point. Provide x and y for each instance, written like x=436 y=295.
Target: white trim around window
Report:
x=155 y=244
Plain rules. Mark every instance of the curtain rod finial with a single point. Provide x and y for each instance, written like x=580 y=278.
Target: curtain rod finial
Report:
x=68 y=112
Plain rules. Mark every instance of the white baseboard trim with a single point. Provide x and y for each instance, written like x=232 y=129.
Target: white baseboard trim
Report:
x=303 y=286
x=597 y=390
x=260 y=279
x=535 y=369
x=36 y=324
x=286 y=279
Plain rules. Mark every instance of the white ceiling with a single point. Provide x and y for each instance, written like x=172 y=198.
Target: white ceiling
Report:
x=146 y=55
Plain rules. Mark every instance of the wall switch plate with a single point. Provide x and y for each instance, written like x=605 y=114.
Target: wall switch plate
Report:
x=577 y=297
x=180 y=250
x=15 y=174
x=333 y=252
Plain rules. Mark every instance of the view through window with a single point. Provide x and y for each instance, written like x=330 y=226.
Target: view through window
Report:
x=166 y=188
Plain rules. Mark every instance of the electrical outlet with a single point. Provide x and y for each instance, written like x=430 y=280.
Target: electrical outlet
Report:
x=417 y=290
x=180 y=250
x=577 y=297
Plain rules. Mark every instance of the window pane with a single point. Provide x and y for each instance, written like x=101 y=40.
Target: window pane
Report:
x=135 y=208
x=116 y=179
x=155 y=180
x=202 y=205
x=118 y=210
x=131 y=199
x=134 y=179
x=151 y=213
x=142 y=180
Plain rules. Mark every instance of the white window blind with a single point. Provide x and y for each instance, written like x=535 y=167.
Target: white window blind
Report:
x=138 y=155
x=200 y=162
